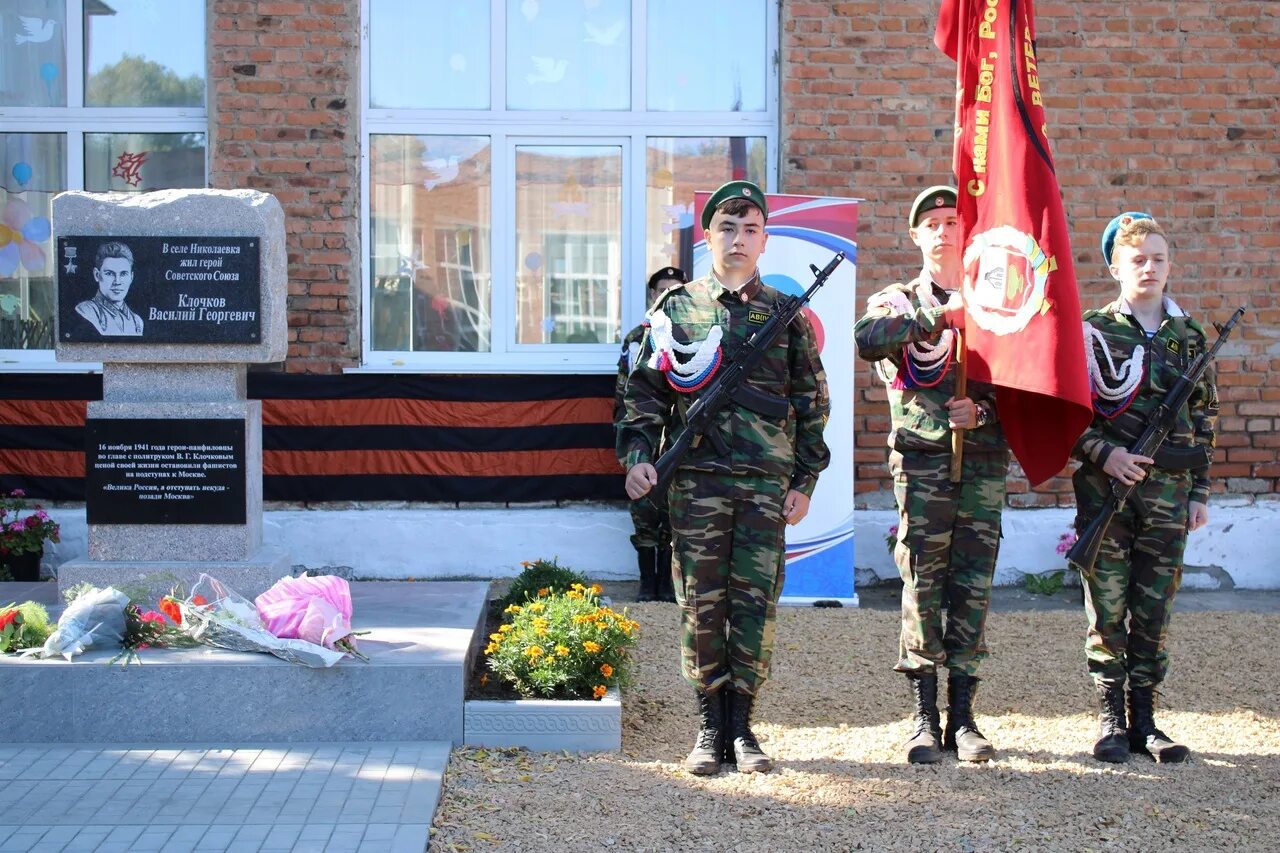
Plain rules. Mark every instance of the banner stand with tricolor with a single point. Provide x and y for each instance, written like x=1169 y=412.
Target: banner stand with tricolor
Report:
x=1022 y=307
x=806 y=230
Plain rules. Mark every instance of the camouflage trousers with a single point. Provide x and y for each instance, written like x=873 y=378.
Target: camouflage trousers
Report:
x=1128 y=595
x=948 y=539
x=728 y=570
x=652 y=527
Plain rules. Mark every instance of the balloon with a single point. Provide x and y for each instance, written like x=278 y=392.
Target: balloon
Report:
x=37 y=229
x=8 y=259
x=32 y=255
x=533 y=260
x=22 y=172
x=16 y=213
x=48 y=72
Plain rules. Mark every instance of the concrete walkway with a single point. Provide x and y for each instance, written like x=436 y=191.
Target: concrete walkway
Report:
x=332 y=797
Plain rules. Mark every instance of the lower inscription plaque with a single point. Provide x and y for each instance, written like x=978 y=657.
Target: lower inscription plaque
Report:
x=154 y=471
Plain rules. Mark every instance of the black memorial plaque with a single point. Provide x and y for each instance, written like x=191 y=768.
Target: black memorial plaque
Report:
x=159 y=290
x=153 y=471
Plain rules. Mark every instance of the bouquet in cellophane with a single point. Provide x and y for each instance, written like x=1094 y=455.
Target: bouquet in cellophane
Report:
x=312 y=608
x=216 y=615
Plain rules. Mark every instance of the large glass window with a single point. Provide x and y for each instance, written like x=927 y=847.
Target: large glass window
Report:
x=116 y=103
x=144 y=53
x=429 y=243
x=531 y=162
x=569 y=244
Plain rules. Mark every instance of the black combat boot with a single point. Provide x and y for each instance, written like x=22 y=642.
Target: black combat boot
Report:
x=746 y=749
x=666 y=583
x=1144 y=737
x=648 y=560
x=707 y=749
x=925 y=745
x=962 y=733
x=1113 y=739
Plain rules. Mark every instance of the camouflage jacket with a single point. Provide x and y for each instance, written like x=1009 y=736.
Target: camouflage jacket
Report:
x=627 y=361
x=745 y=442
x=1176 y=344
x=920 y=414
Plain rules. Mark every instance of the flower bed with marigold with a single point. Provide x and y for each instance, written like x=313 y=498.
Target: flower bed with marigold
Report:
x=562 y=645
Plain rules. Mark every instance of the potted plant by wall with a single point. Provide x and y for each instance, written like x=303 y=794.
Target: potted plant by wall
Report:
x=24 y=527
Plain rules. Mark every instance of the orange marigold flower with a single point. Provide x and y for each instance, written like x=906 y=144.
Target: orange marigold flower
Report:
x=535 y=652
x=591 y=647
x=606 y=670
x=596 y=588
x=599 y=690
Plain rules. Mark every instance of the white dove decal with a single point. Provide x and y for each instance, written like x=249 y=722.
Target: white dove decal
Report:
x=547 y=70
x=442 y=171
x=37 y=31
x=605 y=37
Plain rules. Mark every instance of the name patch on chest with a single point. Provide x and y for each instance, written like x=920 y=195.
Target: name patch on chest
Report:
x=757 y=317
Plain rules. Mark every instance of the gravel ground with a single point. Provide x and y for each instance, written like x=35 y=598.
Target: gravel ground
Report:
x=833 y=718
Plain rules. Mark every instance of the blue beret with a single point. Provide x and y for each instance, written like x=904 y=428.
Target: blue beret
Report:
x=1113 y=228
x=734 y=189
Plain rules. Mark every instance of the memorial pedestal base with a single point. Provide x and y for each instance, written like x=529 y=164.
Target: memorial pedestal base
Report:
x=249 y=577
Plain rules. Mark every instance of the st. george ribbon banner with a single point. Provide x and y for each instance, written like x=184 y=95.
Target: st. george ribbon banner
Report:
x=1022 y=308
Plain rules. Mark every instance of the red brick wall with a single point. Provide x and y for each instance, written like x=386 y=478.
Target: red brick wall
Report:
x=1169 y=107
x=283 y=118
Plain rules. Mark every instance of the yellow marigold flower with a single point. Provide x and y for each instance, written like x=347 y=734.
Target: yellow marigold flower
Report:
x=545 y=591
x=534 y=652
x=540 y=631
x=599 y=690
x=503 y=629
x=574 y=594
x=491 y=648
x=497 y=638
x=591 y=647
x=606 y=670
x=513 y=608
x=562 y=651
x=596 y=588
x=579 y=587
x=537 y=607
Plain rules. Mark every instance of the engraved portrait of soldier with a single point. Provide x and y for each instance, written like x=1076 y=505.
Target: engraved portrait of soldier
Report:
x=106 y=310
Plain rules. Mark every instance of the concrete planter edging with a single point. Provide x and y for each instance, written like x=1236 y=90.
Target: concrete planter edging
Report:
x=545 y=725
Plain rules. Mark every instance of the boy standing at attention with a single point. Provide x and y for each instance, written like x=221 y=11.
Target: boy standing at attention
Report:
x=750 y=475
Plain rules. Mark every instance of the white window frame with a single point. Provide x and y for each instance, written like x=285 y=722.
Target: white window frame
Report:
x=74 y=121
x=551 y=127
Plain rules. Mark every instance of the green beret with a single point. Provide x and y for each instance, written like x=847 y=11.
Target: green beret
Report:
x=665 y=273
x=1113 y=229
x=734 y=189
x=934 y=197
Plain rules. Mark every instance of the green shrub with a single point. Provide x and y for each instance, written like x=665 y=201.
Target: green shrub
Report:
x=1049 y=583
x=563 y=646
x=541 y=577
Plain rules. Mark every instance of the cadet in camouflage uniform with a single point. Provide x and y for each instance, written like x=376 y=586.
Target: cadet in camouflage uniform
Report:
x=652 y=537
x=748 y=477
x=1137 y=346
x=948 y=534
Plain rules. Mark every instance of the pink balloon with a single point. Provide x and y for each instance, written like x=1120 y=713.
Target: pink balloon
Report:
x=16 y=213
x=32 y=256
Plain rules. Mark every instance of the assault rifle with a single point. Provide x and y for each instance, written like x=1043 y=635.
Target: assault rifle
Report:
x=1085 y=552
x=731 y=382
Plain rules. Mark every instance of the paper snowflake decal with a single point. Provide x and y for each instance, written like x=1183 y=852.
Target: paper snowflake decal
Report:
x=129 y=167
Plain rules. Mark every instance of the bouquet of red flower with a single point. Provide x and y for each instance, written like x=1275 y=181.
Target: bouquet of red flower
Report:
x=146 y=629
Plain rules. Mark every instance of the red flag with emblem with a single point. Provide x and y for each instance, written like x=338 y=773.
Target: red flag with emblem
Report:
x=1022 y=308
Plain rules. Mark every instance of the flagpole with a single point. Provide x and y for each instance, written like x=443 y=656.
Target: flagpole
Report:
x=957 y=435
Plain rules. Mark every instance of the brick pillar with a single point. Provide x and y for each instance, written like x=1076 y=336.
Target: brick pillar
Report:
x=284 y=119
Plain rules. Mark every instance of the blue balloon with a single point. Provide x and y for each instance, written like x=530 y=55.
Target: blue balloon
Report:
x=22 y=172
x=8 y=259
x=533 y=260
x=48 y=72
x=37 y=229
